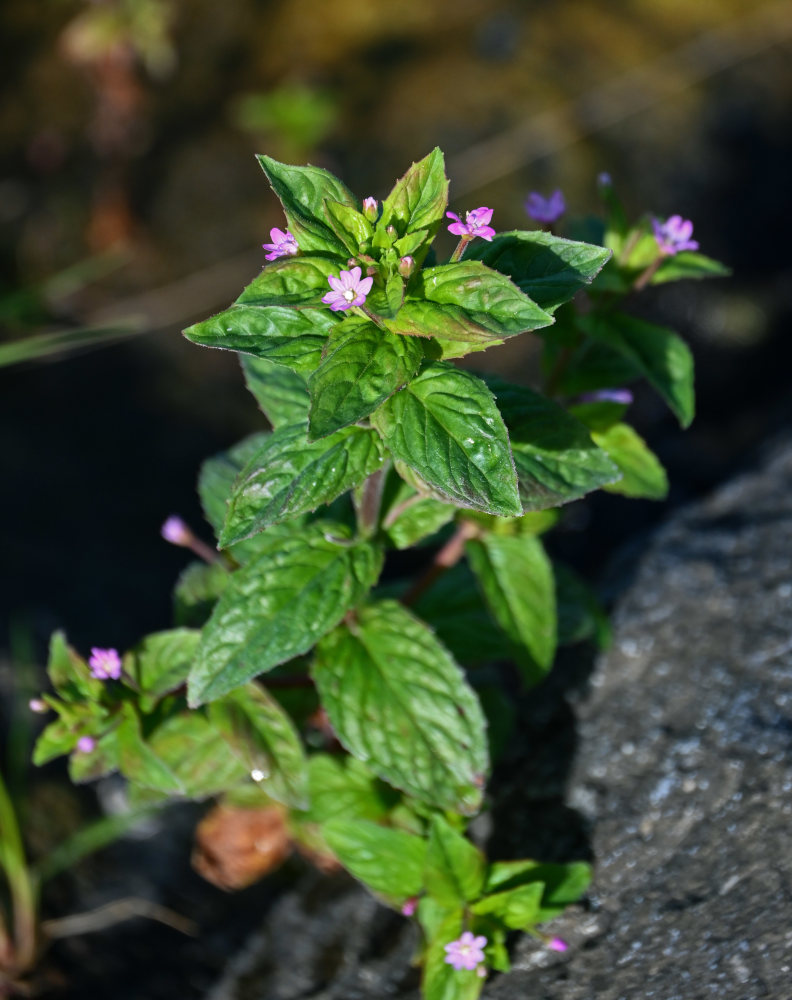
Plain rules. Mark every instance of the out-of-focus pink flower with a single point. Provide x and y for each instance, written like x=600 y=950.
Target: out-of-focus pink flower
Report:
x=86 y=744
x=349 y=289
x=38 y=706
x=466 y=952
x=175 y=531
x=409 y=907
x=477 y=223
x=557 y=944
x=105 y=664
x=673 y=235
x=283 y=244
x=623 y=396
x=543 y=209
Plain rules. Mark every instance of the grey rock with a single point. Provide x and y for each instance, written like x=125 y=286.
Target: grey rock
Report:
x=678 y=769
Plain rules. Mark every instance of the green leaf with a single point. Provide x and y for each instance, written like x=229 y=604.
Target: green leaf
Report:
x=408 y=517
x=454 y=608
x=517 y=908
x=291 y=281
x=351 y=227
x=446 y=427
x=454 y=871
x=556 y=458
x=303 y=192
x=261 y=735
x=279 y=604
x=57 y=739
x=160 y=663
x=689 y=264
x=466 y=303
x=662 y=357
x=397 y=701
x=363 y=367
x=69 y=673
x=197 y=590
x=642 y=474
x=386 y=299
x=593 y=366
x=516 y=578
x=440 y=980
x=281 y=393
x=218 y=475
x=389 y=862
x=419 y=199
x=548 y=269
x=290 y=337
x=564 y=884
x=344 y=788
x=102 y=760
x=289 y=475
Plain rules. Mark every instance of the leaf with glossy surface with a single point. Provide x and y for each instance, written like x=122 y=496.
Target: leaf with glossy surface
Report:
x=289 y=475
x=454 y=872
x=689 y=264
x=547 y=268
x=661 y=356
x=291 y=337
x=397 y=701
x=516 y=578
x=341 y=787
x=555 y=456
x=408 y=517
x=418 y=200
x=197 y=591
x=446 y=427
x=351 y=227
x=279 y=604
x=517 y=908
x=303 y=192
x=564 y=884
x=389 y=862
x=642 y=474
x=262 y=736
x=218 y=475
x=291 y=281
x=160 y=663
x=282 y=394
x=363 y=367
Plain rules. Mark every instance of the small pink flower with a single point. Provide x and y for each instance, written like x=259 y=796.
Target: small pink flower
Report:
x=283 y=244
x=557 y=944
x=674 y=235
x=466 y=952
x=410 y=906
x=86 y=744
x=175 y=531
x=38 y=706
x=348 y=290
x=105 y=664
x=476 y=224
x=623 y=396
x=545 y=209
x=370 y=209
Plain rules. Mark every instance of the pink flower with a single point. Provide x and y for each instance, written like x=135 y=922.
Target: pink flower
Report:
x=38 y=706
x=545 y=209
x=466 y=952
x=476 y=224
x=370 y=209
x=175 y=531
x=406 y=265
x=674 y=235
x=409 y=906
x=348 y=290
x=86 y=744
x=105 y=664
x=283 y=244
x=557 y=944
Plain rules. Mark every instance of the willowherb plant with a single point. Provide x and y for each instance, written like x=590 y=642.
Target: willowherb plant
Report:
x=292 y=676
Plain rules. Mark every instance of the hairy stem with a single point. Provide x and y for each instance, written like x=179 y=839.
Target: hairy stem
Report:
x=368 y=507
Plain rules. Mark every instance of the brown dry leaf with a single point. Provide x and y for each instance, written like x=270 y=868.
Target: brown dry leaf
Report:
x=234 y=846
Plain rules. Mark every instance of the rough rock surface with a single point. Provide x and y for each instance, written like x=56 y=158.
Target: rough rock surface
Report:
x=676 y=764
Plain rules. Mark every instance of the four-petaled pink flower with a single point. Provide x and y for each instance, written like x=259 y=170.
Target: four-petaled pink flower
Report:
x=350 y=289
x=674 y=235
x=105 y=664
x=557 y=944
x=545 y=209
x=466 y=952
x=283 y=244
x=86 y=744
x=476 y=224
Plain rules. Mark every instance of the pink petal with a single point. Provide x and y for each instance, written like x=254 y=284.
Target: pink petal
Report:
x=336 y=283
x=364 y=286
x=453 y=215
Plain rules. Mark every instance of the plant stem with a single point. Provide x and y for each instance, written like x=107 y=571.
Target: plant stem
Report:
x=646 y=276
x=448 y=556
x=460 y=249
x=20 y=883
x=368 y=508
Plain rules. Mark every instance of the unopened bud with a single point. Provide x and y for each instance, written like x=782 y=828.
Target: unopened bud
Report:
x=175 y=531
x=406 y=265
x=86 y=744
x=371 y=209
x=38 y=706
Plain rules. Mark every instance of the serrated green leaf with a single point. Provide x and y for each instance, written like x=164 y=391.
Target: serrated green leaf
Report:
x=279 y=604
x=196 y=592
x=389 y=862
x=281 y=394
x=661 y=356
x=290 y=337
x=563 y=884
x=516 y=578
x=69 y=673
x=642 y=474
x=454 y=872
x=555 y=456
x=363 y=367
x=289 y=475
x=409 y=518
x=160 y=662
x=291 y=281
x=350 y=226
x=418 y=200
x=386 y=299
x=446 y=427
x=397 y=701
x=341 y=787
x=262 y=736
x=517 y=908
x=57 y=739
x=466 y=303
x=102 y=760
x=689 y=264
x=548 y=269
x=218 y=475
x=303 y=192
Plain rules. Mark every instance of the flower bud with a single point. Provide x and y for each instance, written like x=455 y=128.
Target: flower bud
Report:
x=371 y=209
x=38 y=706
x=175 y=531
x=406 y=265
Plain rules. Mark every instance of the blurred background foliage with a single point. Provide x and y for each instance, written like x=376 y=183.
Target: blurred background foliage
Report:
x=130 y=201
